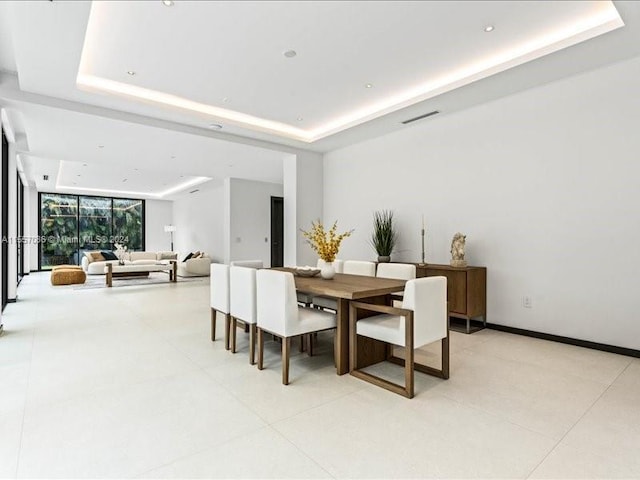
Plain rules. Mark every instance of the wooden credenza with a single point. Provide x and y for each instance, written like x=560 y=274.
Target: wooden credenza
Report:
x=466 y=290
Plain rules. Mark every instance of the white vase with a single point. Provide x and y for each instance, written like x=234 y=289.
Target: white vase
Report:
x=327 y=271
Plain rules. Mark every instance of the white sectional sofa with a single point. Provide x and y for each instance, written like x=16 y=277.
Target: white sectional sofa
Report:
x=96 y=267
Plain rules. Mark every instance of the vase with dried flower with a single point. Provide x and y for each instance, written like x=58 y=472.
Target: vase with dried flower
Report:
x=326 y=244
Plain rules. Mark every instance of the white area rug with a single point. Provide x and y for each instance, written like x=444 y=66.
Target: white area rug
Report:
x=154 y=278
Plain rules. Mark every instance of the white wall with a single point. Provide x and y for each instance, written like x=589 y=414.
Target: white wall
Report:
x=250 y=219
x=158 y=213
x=198 y=218
x=545 y=184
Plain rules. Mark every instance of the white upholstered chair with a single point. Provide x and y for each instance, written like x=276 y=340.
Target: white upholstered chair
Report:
x=358 y=267
x=242 y=304
x=423 y=319
x=247 y=263
x=350 y=267
x=399 y=271
x=280 y=315
x=220 y=298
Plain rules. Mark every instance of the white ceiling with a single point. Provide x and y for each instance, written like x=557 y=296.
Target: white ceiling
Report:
x=207 y=51
x=160 y=156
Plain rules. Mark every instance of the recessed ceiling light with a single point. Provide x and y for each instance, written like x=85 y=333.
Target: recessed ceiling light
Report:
x=215 y=126
x=173 y=156
x=290 y=53
x=100 y=146
x=136 y=170
x=78 y=175
x=489 y=28
x=124 y=180
x=225 y=100
x=368 y=85
x=167 y=3
x=131 y=72
x=300 y=119
x=84 y=164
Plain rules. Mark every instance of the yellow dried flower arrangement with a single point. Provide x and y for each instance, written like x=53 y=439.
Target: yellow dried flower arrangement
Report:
x=326 y=244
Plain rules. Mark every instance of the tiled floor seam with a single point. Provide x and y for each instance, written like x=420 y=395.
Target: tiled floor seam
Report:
x=267 y=422
x=576 y=422
x=209 y=447
x=278 y=432
x=24 y=407
x=549 y=369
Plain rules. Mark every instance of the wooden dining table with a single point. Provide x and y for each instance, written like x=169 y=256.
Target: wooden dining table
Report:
x=344 y=288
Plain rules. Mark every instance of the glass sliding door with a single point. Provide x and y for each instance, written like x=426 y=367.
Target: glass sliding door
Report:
x=20 y=229
x=59 y=230
x=95 y=224
x=128 y=222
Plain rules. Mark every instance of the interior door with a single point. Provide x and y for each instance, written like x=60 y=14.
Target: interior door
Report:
x=277 y=231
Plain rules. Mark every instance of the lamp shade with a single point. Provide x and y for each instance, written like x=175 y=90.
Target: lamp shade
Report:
x=169 y=228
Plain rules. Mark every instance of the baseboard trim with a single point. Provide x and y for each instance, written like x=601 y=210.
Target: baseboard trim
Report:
x=630 y=352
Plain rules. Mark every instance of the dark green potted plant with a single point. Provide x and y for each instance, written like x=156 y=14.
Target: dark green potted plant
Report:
x=384 y=236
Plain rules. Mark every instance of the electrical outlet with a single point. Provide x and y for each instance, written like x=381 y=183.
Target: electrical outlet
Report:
x=526 y=301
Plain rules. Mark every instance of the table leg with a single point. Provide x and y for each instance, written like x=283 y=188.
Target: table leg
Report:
x=175 y=272
x=109 y=275
x=342 y=337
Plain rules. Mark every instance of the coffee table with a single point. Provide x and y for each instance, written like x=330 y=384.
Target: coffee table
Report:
x=119 y=271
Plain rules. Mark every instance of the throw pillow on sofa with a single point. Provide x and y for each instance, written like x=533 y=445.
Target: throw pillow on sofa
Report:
x=108 y=255
x=188 y=257
x=94 y=256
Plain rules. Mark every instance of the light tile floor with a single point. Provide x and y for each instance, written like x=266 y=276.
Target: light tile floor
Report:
x=125 y=382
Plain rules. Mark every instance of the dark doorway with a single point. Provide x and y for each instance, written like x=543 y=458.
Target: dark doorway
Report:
x=277 y=231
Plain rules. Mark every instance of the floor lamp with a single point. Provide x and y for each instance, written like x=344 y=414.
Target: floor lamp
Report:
x=170 y=229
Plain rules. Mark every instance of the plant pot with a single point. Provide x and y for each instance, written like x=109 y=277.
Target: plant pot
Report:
x=327 y=271
x=384 y=258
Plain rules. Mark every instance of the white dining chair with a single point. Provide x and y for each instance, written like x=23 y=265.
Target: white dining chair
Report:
x=350 y=267
x=242 y=304
x=423 y=319
x=280 y=315
x=358 y=267
x=220 y=299
x=399 y=271
x=247 y=263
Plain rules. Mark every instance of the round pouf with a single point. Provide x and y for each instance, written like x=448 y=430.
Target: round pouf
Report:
x=67 y=276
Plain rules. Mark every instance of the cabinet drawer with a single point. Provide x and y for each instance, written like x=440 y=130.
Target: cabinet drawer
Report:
x=456 y=288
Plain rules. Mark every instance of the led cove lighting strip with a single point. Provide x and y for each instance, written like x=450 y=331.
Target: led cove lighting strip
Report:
x=182 y=186
x=604 y=21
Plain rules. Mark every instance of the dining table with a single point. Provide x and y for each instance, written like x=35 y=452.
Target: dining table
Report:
x=344 y=288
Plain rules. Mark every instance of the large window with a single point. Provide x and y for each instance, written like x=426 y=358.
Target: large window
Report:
x=73 y=224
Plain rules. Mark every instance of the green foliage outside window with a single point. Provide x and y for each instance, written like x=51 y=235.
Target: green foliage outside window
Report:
x=71 y=225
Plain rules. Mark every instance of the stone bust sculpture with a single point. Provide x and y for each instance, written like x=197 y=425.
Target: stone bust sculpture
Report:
x=457 y=250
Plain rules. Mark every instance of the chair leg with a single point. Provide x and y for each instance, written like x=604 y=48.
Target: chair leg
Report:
x=213 y=325
x=234 y=326
x=445 y=356
x=260 y=348
x=227 y=330
x=310 y=348
x=408 y=357
x=252 y=344
x=286 y=345
x=301 y=348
